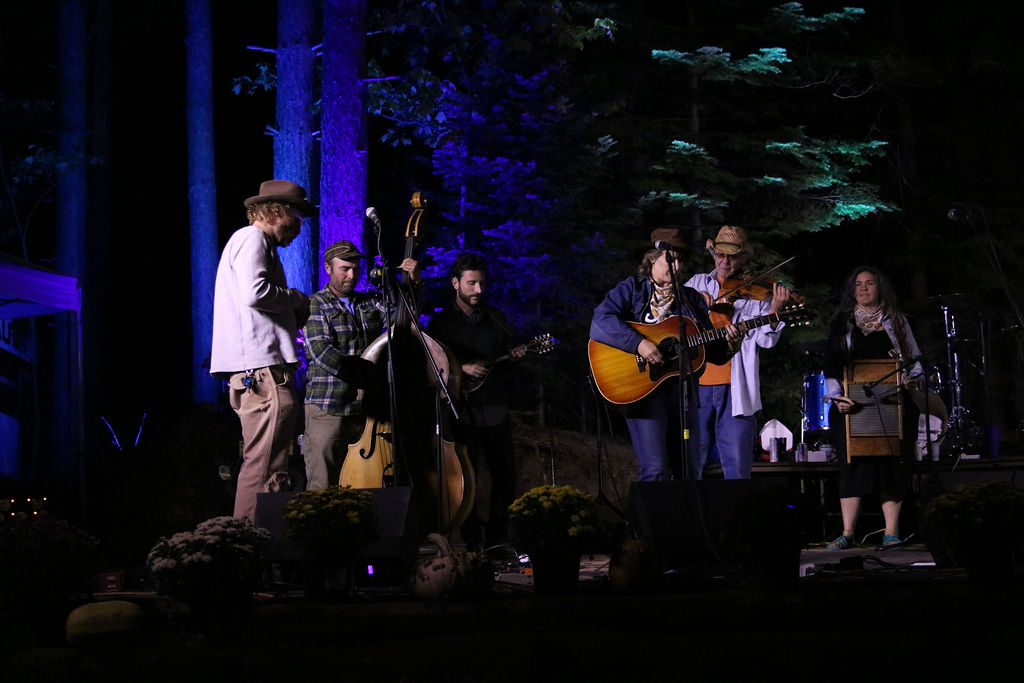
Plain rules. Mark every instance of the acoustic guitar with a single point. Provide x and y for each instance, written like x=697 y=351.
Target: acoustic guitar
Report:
x=540 y=344
x=623 y=377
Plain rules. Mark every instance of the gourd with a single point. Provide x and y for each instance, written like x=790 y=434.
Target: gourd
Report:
x=97 y=622
x=452 y=573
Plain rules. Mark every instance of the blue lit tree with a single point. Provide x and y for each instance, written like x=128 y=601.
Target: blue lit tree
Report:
x=343 y=125
x=295 y=149
x=491 y=93
x=202 y=192
x=71 y=229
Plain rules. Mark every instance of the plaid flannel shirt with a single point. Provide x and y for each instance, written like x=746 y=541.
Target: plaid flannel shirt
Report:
x=333 y=337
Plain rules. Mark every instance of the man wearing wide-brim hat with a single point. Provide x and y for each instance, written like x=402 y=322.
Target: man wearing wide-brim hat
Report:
x=730 y=392
x=255 y=320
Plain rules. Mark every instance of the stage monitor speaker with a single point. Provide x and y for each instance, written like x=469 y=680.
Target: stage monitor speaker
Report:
x=384 y=562
x=877 y=427
x=934 y=484
x=682 y=521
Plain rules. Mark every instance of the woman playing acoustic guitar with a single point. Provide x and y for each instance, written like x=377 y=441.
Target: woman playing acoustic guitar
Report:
x=635 y=337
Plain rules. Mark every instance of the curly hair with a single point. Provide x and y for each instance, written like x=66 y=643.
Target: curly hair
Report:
x=886 y=295
x=261 y=211
x=887 y=301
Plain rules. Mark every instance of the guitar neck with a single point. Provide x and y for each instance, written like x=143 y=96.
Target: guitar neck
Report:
x=744 y=326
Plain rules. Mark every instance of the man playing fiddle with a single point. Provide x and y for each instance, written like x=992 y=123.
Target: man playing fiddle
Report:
x=730 y=393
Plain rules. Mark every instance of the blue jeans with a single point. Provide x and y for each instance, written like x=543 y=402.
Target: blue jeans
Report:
x=717 y=431
x=654 y=433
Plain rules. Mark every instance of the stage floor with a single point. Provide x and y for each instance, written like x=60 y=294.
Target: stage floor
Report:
x=890 y=610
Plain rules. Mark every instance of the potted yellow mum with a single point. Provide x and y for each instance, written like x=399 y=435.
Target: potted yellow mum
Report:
x=555 y=525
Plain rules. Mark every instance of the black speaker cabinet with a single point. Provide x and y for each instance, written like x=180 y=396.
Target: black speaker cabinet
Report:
x=934 y=484
x=384 y=562
x=682 y=521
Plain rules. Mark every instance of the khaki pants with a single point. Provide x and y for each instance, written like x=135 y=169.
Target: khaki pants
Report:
x=267 y=410
x=325 y=445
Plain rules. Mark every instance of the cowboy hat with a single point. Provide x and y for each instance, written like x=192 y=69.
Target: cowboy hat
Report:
x=286 y=192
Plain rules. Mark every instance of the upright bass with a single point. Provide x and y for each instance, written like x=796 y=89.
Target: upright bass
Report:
x=404 y=439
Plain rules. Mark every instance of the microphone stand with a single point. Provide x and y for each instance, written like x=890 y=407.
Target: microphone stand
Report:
x=442 y=388
x=685 y=380
x=388 y=302
x=391 y=286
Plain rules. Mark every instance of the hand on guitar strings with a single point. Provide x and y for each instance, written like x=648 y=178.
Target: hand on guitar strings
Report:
x=734 y=338
x=476 y=369
x=649 y=351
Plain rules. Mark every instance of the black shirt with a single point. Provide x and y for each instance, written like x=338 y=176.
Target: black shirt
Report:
x=482 y=335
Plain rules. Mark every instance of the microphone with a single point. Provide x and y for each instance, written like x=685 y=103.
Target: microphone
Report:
x=960 y=212
x=868 y=391
x=665 y=246
x=371 y=213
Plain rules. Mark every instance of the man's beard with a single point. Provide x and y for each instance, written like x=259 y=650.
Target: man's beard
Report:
x=468 y=299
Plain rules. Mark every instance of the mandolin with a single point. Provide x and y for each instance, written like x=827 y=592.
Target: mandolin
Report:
x=623 y=377
x=540 y=344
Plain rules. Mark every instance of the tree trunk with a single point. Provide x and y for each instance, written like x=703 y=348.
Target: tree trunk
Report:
x=294 y=149
x=342 y=126
x=71 y=233
x=202 y=192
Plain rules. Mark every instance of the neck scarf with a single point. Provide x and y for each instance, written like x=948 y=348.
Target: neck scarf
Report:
x=661 y=301
x=868 y=321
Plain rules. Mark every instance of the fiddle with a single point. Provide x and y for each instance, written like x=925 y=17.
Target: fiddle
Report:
x=756 y=286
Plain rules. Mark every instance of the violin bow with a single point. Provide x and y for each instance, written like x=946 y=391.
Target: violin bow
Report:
x=754 y=278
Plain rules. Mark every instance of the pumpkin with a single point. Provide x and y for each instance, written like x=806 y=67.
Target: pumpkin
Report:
x=452 y=573
x=633 y=568
x=98 y=622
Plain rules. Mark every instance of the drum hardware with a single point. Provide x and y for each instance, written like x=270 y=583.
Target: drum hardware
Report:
x=964 y=433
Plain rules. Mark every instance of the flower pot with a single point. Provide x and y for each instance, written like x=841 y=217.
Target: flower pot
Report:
x=555 y=573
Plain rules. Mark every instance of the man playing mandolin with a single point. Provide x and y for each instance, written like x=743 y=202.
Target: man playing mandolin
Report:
x=475 y=332
x=730 y=392
x=655 y=295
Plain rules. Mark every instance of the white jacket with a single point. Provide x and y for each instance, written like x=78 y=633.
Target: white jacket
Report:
x=745 y=378
x=254 y=323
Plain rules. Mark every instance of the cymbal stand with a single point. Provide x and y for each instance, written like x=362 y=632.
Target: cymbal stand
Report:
x=964 y=433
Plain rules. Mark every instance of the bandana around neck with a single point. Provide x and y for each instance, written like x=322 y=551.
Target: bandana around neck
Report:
x=661 y=301
x=868 y=321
